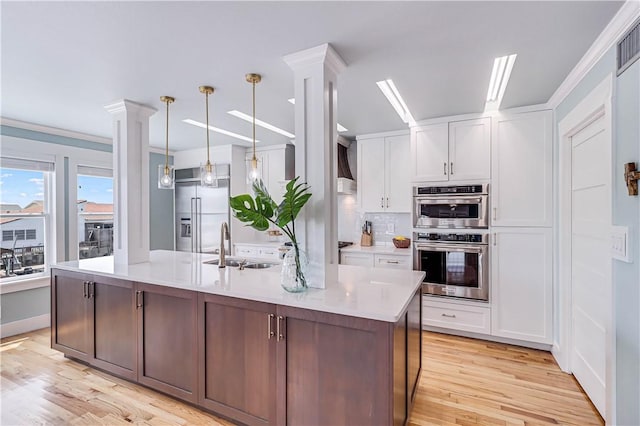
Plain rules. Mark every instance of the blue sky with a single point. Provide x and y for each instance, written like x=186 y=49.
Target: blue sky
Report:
x=23 y=186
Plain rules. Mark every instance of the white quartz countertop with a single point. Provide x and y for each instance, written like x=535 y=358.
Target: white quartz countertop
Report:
x=373 y=293
x=380 y=249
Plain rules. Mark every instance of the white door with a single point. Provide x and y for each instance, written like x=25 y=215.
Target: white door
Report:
x=371 y=174
x=590 y=258
x=430 y=153
x=398 y=196
x=470 y=150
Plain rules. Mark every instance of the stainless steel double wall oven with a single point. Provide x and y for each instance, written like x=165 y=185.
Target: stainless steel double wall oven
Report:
x=453 y=250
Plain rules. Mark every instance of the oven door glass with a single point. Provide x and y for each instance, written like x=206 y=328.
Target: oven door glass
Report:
x=449 y=209
x=456 y=268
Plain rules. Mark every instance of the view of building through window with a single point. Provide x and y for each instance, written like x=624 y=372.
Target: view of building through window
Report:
x=22 y=218
x=95 y=212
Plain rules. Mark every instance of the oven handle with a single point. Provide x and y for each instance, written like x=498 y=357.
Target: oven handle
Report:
x=449 y=200
x=450 y=247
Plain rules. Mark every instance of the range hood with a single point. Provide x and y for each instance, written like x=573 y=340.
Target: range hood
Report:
x=345 y=183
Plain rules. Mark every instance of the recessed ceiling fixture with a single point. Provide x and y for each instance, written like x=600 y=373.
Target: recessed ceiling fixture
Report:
x=245 y=117
x=165 y=171
x=393 y=96
x=500 y=74
x=218 y=130
x=339 y=126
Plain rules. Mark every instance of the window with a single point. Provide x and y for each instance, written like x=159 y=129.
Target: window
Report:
x=24 y=216
x=95 y=212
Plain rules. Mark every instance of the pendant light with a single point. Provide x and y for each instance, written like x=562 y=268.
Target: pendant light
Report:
x=207 y=170
x=253 y=172
x=165 y=171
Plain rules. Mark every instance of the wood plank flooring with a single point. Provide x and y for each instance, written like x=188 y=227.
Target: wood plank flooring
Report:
x=464 y=382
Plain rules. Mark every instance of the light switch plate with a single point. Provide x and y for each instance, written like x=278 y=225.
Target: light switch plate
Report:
x=391 y=228
x=620 y=243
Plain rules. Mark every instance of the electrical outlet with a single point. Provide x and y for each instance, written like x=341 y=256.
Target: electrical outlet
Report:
x=391 y=228
x=620 y=243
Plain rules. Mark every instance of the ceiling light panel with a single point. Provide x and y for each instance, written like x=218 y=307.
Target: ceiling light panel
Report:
x=218 y=130
x=500 y=75
x=261 y=123
x=392 y=94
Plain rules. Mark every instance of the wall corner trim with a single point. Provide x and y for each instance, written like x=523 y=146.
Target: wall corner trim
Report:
x=621 y=22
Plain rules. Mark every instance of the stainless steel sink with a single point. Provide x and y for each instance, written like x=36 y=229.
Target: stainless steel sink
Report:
x=261 y=265
x=227 y=262
x=247 y=264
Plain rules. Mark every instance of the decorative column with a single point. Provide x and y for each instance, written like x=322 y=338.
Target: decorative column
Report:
x=315 y=75
x=130 y=181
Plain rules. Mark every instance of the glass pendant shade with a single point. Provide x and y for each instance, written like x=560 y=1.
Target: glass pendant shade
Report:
x=208 y=176
x=166 y=177
x=254 y=171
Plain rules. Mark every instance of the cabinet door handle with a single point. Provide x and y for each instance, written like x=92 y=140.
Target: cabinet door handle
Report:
x=139 y=299
x=444 y=168
x=85 y=285
x=448 y=316
x=270 y=332
x=387 y=202
x=91 y=289
x=495 y=240
x=395 y=262
x=495 y=213
x=279 y=331
x=381 y=202
x=451 y=170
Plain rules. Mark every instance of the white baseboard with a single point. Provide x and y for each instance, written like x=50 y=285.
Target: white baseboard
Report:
x=482 y=336
x=25 y=325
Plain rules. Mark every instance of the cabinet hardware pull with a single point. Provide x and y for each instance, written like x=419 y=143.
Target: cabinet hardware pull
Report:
x=495 y=240
x=451 y=171
x=444 y=168
x=448 y=316
x=381 y=202
x=279 y=335
x=90 y=289
x=387 y=202
x=395 y=262
x=84 y=289
x=139 y=299
x=270 y=332
x=495 y=213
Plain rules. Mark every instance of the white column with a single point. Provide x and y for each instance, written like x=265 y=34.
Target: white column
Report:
x=130 y=181
x=315 y=74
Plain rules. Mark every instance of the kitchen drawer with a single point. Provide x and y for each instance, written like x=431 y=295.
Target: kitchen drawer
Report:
x=476 y=319
x=269 y=252
x=357 y=259
x=246 y=251
x=392 y=261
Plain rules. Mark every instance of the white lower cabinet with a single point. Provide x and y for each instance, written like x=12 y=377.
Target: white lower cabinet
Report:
x=393 y=261
x=443 y=314
x=521 y=284
x=256 y=251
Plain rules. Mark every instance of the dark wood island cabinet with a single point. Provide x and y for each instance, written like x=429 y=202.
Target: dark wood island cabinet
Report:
x=253 y=362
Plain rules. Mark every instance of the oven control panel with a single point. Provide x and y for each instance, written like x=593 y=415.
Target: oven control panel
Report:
x=452 y=238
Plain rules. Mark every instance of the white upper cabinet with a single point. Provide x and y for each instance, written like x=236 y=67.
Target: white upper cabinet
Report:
x=383 y=174
x=521 y=193
x=456 y=151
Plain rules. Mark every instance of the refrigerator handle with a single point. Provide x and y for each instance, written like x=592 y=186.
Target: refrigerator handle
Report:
x=199 y=213
x=193 y=225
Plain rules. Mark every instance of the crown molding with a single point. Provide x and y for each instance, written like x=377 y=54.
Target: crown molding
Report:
x=616 y=28
x=323 y=54
x=67 y=133
x=130 y=106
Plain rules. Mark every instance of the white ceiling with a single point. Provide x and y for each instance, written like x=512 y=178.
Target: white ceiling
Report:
x=63 y=61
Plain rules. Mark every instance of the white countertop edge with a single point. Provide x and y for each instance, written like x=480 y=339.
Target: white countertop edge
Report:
x=269 y=294
x=380 y=249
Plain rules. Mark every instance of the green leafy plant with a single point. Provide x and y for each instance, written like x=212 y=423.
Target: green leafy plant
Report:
x=260 y=211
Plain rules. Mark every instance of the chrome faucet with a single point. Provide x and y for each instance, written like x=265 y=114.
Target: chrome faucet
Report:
x=224 y=235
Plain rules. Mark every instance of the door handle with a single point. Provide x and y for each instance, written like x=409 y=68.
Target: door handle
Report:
x=139 y=299
x=451 y=170
x=270 y=332
x=279 y=331
x=444 y=168
x=193 y=222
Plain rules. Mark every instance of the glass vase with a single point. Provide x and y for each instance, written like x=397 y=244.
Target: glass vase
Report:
x=294 y=269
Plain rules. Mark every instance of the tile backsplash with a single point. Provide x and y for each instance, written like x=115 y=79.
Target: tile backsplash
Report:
x=384 y=225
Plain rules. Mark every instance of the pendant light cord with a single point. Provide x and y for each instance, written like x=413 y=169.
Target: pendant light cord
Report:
x=254 y=120
x=207 y=107
x=166 y=157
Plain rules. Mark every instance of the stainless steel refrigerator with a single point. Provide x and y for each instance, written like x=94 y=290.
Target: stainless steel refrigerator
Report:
x=200 y=211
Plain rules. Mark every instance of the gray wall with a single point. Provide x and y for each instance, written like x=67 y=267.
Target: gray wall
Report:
x=25 y=304
x=626 y=212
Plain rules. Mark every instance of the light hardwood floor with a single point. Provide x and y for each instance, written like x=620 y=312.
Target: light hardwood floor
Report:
x=464 y=382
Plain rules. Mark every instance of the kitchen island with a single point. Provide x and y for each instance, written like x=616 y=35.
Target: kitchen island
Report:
x=234 y=342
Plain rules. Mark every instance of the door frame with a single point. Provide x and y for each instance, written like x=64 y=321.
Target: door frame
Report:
x=597 y=104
